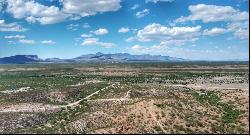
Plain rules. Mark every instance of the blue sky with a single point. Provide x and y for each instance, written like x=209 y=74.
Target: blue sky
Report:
x=191 y=29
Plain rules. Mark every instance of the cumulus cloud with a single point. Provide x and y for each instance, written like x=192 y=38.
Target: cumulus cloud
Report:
x=123 y=30
x=214 y=31
x=48 y=42
x=142 y=13
x=101 y=31
x=213 y=13
x=11 y=27
x=33 y=11
x=238 y=22
x=95 y=41
x=165 y=36
x=26 y=41
x=158 y=32
x=155 y=1
x=89 y=7
x=15 y=37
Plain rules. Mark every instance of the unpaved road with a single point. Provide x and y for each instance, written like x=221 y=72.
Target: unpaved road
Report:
x=86 y=98
x=38 y=107
x=125 y=98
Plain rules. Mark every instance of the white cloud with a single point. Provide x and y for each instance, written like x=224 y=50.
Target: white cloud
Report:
x=72 y=27
x=165 y=36
x=158 y=32
x=11 y=27
x=154 y=49
x=86 y=35
x=242 y=34
x=123 y=30
x=101 y=31
x=90 y=7
x=155 y=1
x=240 y=29
x=15 y=37
x=95 y=41
x=130 y=39
x=237 y=20
x=134 y=7
x=142 y=13
x=33 y=11
x=90 y=41
x=48 y=42
x=214 y=31
x=213 y=13
x=26 y=41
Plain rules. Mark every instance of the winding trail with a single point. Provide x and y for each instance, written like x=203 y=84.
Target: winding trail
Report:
x=38 y=107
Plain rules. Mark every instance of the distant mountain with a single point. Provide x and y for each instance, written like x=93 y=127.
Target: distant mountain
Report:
x=20 y=59
x=124 y=57
x=98 y=57
x=53 y=60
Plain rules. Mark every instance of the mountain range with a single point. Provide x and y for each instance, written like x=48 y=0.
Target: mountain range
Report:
x=98 y=57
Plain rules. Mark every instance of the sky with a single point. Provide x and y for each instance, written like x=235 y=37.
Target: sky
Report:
x=189 y=29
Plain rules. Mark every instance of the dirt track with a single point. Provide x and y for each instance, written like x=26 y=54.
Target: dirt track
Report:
x=36 y=107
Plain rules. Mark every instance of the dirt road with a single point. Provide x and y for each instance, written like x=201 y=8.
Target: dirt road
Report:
x=38 y=107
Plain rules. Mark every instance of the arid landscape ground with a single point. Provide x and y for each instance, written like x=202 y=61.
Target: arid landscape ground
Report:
x=196 y=97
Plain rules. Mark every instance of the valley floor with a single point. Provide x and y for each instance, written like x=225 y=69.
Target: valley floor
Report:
x=125 y=98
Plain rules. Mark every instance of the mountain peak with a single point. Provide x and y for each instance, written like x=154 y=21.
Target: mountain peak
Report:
x=98 y=57
x=20 y=59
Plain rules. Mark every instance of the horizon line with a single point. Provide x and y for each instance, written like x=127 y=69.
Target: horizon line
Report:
x=240 y=60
